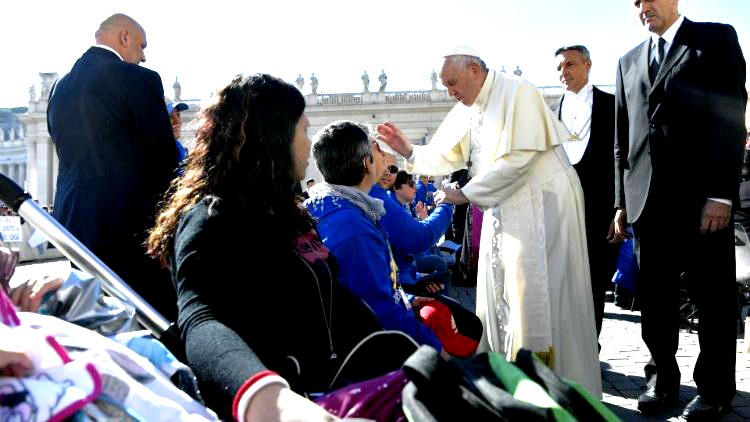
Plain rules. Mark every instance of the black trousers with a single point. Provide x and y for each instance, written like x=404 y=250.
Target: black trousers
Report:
x=669 y=246
x=602 y=262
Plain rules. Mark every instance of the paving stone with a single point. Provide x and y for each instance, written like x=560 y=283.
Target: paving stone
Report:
x=624 y=355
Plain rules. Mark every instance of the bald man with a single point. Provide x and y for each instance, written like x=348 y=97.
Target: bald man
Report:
x=117 y=155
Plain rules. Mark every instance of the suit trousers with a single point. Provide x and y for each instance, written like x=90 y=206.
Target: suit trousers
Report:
x=143 y=274
x=670 y=248
x=602 y=261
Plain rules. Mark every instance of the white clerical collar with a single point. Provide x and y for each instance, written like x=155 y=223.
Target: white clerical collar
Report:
x=484 y=93
x=106 y=47
x=669 y=34
x=584 y=94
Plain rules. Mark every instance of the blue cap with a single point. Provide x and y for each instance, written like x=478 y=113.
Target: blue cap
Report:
x=179 y=107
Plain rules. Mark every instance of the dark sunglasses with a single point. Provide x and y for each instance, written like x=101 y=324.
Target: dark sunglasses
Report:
x=393 y=169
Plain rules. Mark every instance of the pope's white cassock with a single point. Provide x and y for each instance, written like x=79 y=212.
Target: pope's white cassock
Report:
x=533 y=283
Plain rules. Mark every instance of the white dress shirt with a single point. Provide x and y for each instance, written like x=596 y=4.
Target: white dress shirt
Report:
x=668 y=36
x=576 y=116
x=106 y=47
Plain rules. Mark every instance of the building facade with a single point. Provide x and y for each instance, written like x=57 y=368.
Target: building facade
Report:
x=27 y=154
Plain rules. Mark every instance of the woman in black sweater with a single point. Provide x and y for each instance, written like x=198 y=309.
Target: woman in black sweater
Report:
x=256 y=288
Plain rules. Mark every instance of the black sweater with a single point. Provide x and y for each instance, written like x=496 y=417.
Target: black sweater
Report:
x=249 y=300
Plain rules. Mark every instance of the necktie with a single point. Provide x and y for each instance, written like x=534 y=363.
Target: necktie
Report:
x=657 y=62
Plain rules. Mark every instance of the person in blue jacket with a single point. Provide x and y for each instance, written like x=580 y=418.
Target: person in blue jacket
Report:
x=409 y=237
x=350 y=224
x=425 y=193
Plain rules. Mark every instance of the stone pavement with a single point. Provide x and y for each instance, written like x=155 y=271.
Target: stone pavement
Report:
x=624 y=354
x=622 y=357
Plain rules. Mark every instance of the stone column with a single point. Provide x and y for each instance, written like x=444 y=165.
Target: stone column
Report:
x=55 y=170
x=44 y=168
x=13 y=170
x=22 y=176
x=31 y=170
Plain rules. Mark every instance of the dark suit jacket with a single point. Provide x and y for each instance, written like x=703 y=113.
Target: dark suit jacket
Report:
x=116 y=151
x=596 y=168
x=680 y=140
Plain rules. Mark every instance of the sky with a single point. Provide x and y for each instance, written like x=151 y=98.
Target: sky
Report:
x=204 y=44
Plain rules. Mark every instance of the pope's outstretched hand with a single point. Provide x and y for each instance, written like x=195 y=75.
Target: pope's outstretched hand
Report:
x=392 y=135
x=450 y=195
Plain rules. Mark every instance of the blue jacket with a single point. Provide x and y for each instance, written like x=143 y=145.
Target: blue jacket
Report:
x=424 y=191
x=407 y=235
x=362 y=251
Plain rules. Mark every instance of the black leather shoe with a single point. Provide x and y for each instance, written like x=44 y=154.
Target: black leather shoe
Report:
x=653 y=402
x=700 y=409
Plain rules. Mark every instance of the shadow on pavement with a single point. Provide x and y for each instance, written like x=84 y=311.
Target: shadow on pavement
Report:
x=634 y=317
x=628 y=388
x=621 y=394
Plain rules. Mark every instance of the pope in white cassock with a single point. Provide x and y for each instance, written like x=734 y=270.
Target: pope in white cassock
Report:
x=533 y=282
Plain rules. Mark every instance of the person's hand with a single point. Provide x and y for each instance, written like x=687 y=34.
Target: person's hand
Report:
x=420 y=301
x=715 y=216
x=8 y=261
x=28 y=295
x=431 y=286
x=618 y=229
x=392 y=135
x=448 y=184
x=450 y=195
x=421 y=210
x=445 y=355
x=276 y=403
x=13 y=360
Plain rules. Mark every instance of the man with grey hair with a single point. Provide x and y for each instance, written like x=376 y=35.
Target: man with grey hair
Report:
x=588 y=116
x=117 y=155
x=533 y=283
x=681 y=98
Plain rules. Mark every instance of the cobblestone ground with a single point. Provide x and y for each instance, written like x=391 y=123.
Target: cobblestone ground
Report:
x=624 y=354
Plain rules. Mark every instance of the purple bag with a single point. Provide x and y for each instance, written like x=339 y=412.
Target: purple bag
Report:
x=378 y=399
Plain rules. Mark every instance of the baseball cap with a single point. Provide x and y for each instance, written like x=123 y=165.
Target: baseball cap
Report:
x=179 y=106
x=439 y=317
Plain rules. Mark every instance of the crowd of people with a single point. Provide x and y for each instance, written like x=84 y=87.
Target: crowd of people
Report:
x=278 y=292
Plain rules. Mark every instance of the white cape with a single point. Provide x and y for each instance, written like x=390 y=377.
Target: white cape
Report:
x=533 y=282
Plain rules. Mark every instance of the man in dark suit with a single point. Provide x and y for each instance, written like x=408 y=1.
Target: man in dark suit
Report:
x=117 y=155
x=588 y=115
x=680 y=105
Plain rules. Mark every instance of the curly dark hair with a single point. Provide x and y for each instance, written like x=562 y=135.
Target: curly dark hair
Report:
x=243 y=150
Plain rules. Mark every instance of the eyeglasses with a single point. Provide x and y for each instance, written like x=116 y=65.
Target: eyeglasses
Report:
x=392 y=169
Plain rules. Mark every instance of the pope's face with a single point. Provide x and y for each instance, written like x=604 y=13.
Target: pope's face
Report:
x=657 y=15
x=463 y=82
x=573 y=70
